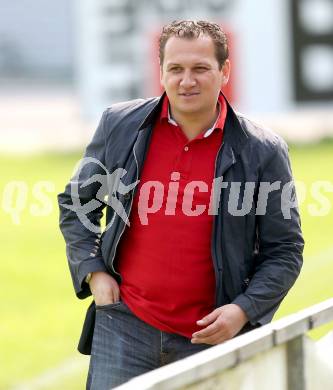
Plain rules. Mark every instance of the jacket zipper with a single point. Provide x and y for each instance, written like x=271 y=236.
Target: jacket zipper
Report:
x=129 y=211
x=216 y=266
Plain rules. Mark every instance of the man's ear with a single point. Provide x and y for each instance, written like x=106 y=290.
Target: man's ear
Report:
x=225 y=72
x=161 y=76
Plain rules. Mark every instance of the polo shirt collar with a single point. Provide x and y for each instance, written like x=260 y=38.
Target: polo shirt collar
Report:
x=219 y=123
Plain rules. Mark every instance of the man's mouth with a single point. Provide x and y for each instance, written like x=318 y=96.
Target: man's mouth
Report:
x=189 y=94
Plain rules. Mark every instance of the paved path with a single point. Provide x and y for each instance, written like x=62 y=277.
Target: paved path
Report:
x=39 y=118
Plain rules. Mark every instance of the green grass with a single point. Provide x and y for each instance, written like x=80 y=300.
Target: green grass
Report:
x=312 y=163
x=41 y=317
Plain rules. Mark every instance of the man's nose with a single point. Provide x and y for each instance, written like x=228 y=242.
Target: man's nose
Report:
x=187 y=80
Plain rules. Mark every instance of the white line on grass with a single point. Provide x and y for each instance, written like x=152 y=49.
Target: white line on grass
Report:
x=66 y=368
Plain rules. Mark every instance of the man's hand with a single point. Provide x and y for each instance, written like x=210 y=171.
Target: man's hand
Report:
x=220 y=325
x=104 y=288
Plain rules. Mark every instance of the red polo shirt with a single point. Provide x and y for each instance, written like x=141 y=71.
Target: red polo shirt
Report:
x=164 y=257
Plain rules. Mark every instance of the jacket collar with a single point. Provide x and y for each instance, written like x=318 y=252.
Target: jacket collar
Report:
x=151 y=117
x=234 y=135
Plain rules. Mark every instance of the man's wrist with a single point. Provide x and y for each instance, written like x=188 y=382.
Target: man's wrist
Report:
x=243 y=313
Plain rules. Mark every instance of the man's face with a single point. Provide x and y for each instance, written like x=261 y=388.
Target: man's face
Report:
x=191 y=76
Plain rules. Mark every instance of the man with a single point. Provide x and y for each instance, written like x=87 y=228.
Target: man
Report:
x=190 y=269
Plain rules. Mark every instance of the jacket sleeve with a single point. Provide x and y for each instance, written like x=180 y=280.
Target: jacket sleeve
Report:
x=279 y=259
x=82 y=241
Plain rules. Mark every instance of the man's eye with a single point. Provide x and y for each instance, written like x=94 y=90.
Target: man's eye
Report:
x=176 y=69
x=201 y=69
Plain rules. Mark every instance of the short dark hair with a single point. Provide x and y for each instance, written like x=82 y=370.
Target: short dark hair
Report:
x=191 y=29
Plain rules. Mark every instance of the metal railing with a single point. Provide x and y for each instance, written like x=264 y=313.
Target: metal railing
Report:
x=277 y=355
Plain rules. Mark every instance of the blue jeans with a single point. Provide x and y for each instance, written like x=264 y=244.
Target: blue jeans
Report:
x=125 y=346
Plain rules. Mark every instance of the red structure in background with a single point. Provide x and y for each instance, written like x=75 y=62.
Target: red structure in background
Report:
x=153 y=87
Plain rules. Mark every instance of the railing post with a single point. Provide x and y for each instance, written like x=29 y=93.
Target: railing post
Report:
x=296 y=363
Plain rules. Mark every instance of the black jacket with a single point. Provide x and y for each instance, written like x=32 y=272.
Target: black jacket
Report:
x=257 y=258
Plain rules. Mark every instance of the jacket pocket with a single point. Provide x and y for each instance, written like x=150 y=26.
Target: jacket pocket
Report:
x=87 y=332
x=108 y=306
